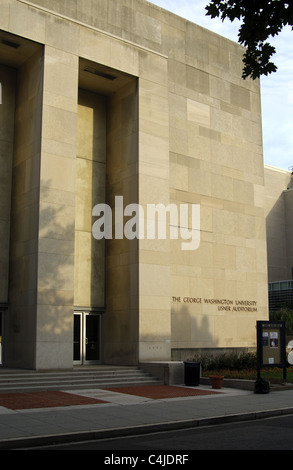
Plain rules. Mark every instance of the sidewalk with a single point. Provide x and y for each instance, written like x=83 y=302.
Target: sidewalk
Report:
x=40 y=418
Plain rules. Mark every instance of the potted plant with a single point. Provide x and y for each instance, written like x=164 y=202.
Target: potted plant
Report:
x=216 y=380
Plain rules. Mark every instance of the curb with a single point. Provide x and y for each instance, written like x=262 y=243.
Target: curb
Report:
x=75 y=437
x=242 y=384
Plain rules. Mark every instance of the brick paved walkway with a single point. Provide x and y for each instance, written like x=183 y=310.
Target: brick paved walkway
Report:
x=30 y=400
x=47 y=399
x=162 y=391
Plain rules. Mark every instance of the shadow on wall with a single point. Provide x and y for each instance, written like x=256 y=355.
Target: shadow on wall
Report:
x=193 y=330
x=41 y=279
x=56 y=262
x=276 y=242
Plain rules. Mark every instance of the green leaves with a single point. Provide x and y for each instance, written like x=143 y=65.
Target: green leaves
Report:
x=261 y=20
x=257 y=62
x=213 y=11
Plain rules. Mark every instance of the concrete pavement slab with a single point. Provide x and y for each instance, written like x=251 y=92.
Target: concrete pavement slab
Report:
x=115 y=414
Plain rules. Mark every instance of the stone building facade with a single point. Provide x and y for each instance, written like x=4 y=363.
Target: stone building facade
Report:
x=125 y=104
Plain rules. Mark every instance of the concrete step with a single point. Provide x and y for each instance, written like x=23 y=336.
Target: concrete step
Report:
x=20 y=381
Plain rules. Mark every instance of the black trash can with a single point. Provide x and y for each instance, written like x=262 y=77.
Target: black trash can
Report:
x=191 y=373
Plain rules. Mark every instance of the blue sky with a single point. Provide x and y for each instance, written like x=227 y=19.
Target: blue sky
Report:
x=276 y=89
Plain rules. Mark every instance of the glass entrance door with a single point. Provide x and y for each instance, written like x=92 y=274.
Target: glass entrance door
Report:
x=77 y=338
x=87 y=338
x=1 y=335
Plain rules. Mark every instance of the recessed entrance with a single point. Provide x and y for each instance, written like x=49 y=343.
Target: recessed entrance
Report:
x=105 y=271
x=87 y=338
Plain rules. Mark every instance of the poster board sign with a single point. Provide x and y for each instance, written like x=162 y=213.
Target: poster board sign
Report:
x=271 y=344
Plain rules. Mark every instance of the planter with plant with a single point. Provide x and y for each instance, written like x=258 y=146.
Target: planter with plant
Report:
x=216 y=381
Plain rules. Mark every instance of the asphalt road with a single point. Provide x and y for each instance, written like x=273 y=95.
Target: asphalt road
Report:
x=266 y=434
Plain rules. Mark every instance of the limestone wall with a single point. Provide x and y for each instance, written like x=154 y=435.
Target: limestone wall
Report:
x=182 y=128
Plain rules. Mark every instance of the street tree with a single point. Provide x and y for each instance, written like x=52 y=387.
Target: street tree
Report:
x=260 y=20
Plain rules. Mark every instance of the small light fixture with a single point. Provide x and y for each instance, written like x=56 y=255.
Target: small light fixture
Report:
x=105 y=75
x=8 y=43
